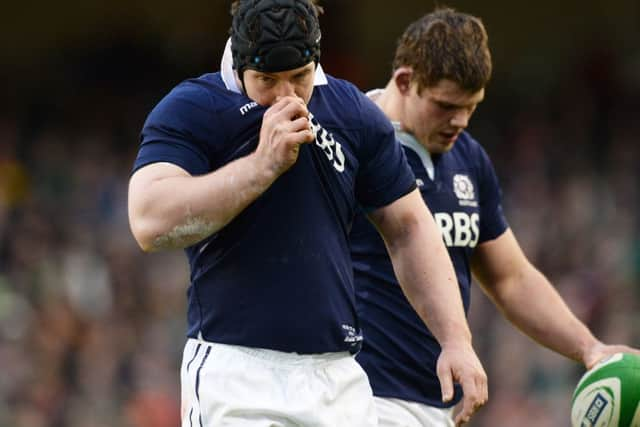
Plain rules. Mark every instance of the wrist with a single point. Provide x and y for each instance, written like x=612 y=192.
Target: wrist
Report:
x=456 y=339
x=262 y=174
x=591 y=352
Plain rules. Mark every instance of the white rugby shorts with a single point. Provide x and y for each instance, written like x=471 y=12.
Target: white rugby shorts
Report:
x=403 y=413
x=228 y=385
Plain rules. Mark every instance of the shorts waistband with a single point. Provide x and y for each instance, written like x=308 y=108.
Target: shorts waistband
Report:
x=274 y=356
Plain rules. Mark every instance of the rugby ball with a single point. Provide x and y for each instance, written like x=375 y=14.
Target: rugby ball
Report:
x=608 y=395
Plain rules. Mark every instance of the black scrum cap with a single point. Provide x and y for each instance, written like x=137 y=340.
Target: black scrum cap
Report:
x=274 y=35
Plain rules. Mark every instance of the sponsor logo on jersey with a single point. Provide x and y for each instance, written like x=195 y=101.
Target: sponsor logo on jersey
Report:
x=463 y=187
x=246 y=107
x=332 y=148
x=459 y=229
x=351 y=335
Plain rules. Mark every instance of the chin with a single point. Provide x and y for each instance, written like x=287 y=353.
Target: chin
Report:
x=448 y=147
x=440 y=148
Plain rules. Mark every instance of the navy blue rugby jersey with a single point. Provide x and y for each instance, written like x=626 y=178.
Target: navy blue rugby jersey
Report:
x=461 y=189
x=279 y=276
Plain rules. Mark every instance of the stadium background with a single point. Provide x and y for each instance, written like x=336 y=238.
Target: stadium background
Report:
x=91 y=329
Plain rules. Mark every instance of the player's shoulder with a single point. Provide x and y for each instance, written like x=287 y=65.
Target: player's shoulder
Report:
x=206 y=91
x=204 y=100
x=342 y=87
x=354 y=108
x=344 y=93
x=468 y=145
x=471 y=152
x=467 y=141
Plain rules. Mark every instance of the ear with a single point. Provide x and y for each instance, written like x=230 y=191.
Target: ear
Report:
x=402 y=78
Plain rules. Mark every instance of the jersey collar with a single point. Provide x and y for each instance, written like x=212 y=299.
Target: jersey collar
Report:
x=411 y=142
x=229 y=79
x=408 y=140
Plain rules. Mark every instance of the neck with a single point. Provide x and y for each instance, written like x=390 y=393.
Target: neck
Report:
x=390 y=102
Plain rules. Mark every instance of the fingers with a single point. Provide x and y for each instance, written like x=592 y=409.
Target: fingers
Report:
x=446 y=382
x=305 y=133
x=289 y=117
x=295 y=138
x=299 y=124
x=297 y=131
x=600 y=352
x=632 y=351
x=464 y=368
x=285 y=126
x=468 y=404
x=472 y=401
x=485 y=390
x=287 y=108
x=476 y=393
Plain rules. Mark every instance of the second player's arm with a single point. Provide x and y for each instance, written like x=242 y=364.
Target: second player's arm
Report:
x=426 y=275
x=527 y=299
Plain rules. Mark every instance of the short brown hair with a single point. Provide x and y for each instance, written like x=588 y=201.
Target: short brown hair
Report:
x=446 y=44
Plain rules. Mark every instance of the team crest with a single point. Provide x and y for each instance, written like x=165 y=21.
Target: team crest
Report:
x=463 y=187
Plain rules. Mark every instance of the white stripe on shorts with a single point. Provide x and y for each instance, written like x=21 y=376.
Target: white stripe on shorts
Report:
x=228 y=385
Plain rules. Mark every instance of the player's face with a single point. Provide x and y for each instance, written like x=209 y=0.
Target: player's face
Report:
x=438 y=114
x=266 y=88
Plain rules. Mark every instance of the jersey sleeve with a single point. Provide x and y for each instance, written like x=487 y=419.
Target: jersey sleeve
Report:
x=177 y=130
x=493 y=222
x=384 y=175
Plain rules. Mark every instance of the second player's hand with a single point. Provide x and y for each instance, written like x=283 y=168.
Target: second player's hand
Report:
x=600 y=351
x=285 y=126
x=460 y=364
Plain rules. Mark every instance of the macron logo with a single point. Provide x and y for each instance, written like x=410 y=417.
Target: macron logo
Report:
x=246 y=107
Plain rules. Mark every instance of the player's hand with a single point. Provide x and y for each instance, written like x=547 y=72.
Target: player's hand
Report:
x=599 y=351
x=459 y=363
x=285 y=126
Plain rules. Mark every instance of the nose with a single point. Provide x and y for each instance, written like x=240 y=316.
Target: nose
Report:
x=460 y=119
x=285 y=88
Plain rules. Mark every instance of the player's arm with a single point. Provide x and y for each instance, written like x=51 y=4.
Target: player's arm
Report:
x=426 y=274
x=529 y=301
x=169 y=208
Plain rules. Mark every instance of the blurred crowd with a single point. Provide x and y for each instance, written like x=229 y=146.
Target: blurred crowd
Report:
x=92 y=329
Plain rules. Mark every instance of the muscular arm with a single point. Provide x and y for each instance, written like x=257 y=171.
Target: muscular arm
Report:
x=169 y=208
x=426 y=275
x=422 y=266
x=527 y=299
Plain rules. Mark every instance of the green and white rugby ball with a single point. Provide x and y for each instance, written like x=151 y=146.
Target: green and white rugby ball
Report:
x=608 y=395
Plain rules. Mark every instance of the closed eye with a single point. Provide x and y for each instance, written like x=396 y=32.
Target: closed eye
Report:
x=302 y=75
x=447 y=106
x=452 y=107
x=266 y=79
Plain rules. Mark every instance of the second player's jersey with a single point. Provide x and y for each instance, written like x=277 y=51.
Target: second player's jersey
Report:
x=461 y=190
x=279 y=275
